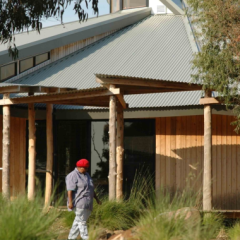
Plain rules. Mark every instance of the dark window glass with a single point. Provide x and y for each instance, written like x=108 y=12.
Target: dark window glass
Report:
x=41 y=58
x=139 y=150
x=100 y=154
x=72 y=144
x=26 y=64
x=8 y=71
x=134 y=3
x=139 y=153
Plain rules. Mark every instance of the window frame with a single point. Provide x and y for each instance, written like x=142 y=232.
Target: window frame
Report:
x=122 y=5
x=34 y=61
x=28 y=68
x=123 y=8
x=43 y=61
x=15 y=73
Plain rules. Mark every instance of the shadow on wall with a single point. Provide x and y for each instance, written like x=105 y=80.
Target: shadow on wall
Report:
x=184 y=168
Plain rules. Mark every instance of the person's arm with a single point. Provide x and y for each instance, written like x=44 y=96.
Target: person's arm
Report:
x=70 y=202
x=96 y=197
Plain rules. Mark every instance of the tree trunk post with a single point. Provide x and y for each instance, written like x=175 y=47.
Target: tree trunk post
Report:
x=112 y=147
x=120 y=151
x=31 y=151
x=49 y=165
x=6 y=151
x=207 y=173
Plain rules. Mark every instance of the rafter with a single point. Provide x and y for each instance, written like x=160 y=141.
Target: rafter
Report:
x=149 y=83
x=122 y=101
x=50 y=98
x=33 y=89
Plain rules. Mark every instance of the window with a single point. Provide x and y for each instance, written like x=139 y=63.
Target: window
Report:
x=33 y=61
x=42 y=58
x=139 y=145
x=134 y=3
x=26 y=64
x=8 y=71
x=72 y=144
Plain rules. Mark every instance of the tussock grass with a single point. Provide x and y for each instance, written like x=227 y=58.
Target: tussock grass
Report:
x=234 y=232
x=25 y=220
x=159 y=224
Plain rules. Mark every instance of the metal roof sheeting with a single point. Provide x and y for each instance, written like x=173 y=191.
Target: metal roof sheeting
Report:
x=157 y=47
x=32 y=43
x=154 y=100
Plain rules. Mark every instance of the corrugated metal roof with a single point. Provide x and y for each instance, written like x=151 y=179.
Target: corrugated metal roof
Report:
x=172 y=99
x=32 y=43
x=157 y=47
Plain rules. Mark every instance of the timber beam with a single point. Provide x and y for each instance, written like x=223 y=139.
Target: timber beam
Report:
x=33 y=89
x=112 y=145
x=6 y=151
x=207 y=166
x=61 y=97
x=122 y=101
x=209 y=100
x=164 y=85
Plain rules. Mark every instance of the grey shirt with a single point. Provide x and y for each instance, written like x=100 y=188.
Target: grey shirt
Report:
x=83 y=189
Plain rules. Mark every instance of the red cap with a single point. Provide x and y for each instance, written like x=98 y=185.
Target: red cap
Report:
x=83 y=163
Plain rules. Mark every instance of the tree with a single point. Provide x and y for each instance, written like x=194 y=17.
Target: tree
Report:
x=20 y=15
x=217 y=28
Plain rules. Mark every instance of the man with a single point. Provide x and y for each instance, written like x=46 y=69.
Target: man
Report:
x=80 y=191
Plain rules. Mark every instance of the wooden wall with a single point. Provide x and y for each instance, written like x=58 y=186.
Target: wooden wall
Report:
x=179 y=157
x=63 y=51
x=17 y=155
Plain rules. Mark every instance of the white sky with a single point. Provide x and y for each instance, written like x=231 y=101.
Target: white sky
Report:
x=70 y=16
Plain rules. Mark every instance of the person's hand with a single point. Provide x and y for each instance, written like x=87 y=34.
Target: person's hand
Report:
x=70 y=205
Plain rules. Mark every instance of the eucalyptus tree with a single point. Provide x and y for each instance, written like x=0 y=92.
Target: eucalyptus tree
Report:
x=21 y=15
x=216 y=26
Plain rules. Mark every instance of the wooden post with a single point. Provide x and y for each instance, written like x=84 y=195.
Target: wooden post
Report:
x=6 y=151
x=31 y=151
x=49 y=165
x=120 y=151
x=207 y=173
x=112 y=147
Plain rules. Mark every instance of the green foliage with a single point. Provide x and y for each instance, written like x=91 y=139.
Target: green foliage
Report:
x=160 y=222
x=234 y=232
x=25 y=220
x=17 y=16
x=217 y=27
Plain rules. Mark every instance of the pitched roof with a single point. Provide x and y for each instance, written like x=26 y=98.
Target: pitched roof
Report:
x=32 y=43
x=159 y=47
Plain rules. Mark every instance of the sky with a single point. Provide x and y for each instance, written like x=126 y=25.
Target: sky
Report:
x=70 y=16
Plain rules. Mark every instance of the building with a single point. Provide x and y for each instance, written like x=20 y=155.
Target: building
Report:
x=146 y=52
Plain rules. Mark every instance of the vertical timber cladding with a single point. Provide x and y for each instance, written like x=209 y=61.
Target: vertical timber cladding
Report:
x=17 y=155
x=63 y=51
x=179 y=157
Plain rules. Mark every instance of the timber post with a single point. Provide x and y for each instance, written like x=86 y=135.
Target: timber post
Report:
x=31 y=151
x=120 y=151
x=6 y=151
x=112 y=146
x=207 y=169
x=49 y=165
